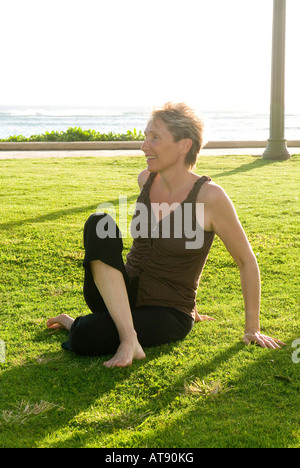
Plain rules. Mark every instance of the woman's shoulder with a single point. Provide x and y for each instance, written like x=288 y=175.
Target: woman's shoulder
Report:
x=143 y=177
x=210 y=191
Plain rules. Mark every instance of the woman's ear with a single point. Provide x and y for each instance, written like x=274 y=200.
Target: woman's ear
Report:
x=186 y=144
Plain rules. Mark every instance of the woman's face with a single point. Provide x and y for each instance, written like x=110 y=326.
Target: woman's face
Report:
x=160 y=149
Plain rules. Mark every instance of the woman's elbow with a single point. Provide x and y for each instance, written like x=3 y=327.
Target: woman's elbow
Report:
x=246 y=261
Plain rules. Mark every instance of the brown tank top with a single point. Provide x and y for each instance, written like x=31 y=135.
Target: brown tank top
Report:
x=165 y=257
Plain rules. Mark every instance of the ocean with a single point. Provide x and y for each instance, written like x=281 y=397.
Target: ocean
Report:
x=220 y=126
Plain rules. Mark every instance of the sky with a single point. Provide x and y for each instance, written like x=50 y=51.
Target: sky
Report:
x=212 y=54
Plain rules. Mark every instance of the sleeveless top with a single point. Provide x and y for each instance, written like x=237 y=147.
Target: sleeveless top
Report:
x=164 y=256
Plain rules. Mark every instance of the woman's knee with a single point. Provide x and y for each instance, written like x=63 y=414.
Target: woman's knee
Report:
x=103 y=240
x=103 y=225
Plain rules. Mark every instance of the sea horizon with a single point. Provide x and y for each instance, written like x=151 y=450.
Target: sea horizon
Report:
x=222 y=125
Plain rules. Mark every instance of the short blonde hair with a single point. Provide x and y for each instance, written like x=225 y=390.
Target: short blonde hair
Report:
x=182 y=122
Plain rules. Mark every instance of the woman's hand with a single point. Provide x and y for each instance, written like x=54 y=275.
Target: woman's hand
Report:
x=262 y=340
x=202 y=318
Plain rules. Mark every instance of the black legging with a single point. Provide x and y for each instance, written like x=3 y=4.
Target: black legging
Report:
x=96 y=334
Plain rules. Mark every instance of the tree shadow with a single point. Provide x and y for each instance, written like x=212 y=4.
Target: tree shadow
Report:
x=257 y=163
x=257 y=409
x=108 y=424
x=67 y=384
x=256 y=406
x=54 y=215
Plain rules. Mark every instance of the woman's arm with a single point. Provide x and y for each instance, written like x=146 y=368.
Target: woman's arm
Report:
x=221 y=217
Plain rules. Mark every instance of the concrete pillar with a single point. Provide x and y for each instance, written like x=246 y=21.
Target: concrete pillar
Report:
x=277 y=148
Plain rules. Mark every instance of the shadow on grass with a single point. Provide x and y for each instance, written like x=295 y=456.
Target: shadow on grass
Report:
x=73 y=383
x=255 y=406
x=69 y=384
x=258 y=162
x=259 y=408
x=60 y=214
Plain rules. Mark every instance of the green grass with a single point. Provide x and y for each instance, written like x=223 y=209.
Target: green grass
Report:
x=209 y=390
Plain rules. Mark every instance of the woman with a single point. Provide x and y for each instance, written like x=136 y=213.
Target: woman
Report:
x=151 y=299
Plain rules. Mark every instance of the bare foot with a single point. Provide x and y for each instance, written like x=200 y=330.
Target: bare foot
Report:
x=125 y=354
x=60 y=322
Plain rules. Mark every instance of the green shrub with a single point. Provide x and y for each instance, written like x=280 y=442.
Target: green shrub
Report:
x=78 y=134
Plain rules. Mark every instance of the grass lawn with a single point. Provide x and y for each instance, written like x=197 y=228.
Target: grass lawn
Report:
x=209 y=390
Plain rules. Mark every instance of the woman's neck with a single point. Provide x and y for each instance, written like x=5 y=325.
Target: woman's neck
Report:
x=171 y=181
x=172 y=187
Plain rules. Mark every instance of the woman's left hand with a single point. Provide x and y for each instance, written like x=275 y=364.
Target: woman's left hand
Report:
x=262 y=340
x=202 y=318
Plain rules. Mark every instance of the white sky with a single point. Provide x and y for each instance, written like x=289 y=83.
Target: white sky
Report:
x=213 y=54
